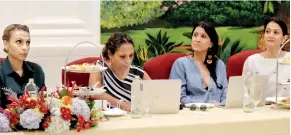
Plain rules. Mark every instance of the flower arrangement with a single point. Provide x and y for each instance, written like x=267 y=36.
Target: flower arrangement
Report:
x=56 y=113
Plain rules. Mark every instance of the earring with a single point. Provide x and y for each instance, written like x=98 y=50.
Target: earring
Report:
x=110 y=61
x=209 y=59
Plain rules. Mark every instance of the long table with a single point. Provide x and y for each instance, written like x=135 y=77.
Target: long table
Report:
x=216 y=121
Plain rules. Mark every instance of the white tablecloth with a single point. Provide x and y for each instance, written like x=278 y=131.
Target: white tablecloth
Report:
x=216 y=121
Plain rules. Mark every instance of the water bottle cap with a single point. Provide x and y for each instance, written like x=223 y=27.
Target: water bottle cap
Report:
x=31 y=80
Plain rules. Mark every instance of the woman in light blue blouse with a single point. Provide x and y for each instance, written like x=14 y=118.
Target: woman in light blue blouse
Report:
x=203 y=75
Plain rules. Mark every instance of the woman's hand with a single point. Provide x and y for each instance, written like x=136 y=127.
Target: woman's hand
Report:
x=125 y=106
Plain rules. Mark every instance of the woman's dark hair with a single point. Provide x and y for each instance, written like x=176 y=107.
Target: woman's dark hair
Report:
x=114 y=43
x=279 y=21
x=212 y=52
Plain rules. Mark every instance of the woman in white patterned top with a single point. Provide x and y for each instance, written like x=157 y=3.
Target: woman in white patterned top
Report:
x=275 y=34
x=119 y=53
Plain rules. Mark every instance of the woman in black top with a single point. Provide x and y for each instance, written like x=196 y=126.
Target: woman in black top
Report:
x=14 y=70
x=118 y=52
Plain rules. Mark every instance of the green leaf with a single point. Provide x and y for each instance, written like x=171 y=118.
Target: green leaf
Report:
x=165 y=37
x=188 y=35
x=271 y=7
x=63 y=92
x=167 y=46
x=266 y=7
x=152 y=38
x=172 y=47
x=162 y=50
x=148 y=42
x=165 y=41
x=159 y=37
x=234 y=47
x=225 y=54
x=179 y=50
x=225 y=43
x=90 y=104
x=154 y=50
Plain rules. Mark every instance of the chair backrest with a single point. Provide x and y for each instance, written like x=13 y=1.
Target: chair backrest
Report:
x=160 y=67
x=82 y=79
x=2 y=59
x=235 y=63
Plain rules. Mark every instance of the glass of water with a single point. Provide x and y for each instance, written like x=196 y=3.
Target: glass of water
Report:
x=254 y=90
x=147 y=105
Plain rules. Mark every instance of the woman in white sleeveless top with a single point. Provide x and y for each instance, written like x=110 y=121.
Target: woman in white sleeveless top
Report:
x=275 y=34
x=118 y=52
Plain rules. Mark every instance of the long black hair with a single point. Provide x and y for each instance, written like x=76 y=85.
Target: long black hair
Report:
x=212 y=52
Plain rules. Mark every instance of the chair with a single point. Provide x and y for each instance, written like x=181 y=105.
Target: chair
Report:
x=82 y=79
x=160 y=67
x=235 y=63
x=2 y=59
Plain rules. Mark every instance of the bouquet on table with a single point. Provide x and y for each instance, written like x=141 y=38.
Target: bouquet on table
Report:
x=56 y=113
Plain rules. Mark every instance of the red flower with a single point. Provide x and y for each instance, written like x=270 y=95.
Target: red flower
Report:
x=86 y=126
x=73 y=86
x=27 y=93
x=65 y=113
x=41 y=97
x=46 y=123
x=79 y=129
x=81 y=120
x=15 y=103
x=27 y=102
x=82 y=124
x=13 y=118
x=43 y=108
x=59 y=93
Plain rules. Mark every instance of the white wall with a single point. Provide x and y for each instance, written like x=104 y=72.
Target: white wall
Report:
x=55 y=28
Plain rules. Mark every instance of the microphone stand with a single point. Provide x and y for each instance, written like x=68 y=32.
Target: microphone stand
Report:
x=283 y=44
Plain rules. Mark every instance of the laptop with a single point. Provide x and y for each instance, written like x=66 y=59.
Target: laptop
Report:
x=235 y=92
x=164 y=94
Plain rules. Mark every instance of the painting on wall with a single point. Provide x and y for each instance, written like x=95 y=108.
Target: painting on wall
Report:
x=159 y=27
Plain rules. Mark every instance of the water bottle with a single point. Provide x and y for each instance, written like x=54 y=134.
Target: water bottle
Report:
x=31 y=88
x=136 y=98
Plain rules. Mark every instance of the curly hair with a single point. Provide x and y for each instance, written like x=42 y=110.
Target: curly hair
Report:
x=114 y=43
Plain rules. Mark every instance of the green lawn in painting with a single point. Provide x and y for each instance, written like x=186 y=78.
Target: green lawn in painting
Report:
x=248 y=36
